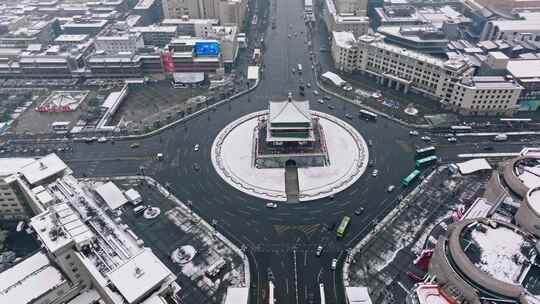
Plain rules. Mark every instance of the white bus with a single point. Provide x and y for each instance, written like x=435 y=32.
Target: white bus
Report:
x=321 y=288
x=367 y=115
x=60 y=126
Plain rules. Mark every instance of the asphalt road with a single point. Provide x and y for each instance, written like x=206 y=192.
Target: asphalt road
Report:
x=284 y=239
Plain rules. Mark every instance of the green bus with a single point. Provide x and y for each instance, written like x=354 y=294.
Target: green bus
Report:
x=426 y=161
x=425 y=152
x=343 y=226
x=410 y=178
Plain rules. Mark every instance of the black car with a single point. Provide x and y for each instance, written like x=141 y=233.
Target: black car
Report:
x=371 y=163
x=301 y=88
x=489 y=148
x=302 y=93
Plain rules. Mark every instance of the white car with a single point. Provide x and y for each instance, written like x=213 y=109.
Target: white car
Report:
x=196 y=148
x=425 y=138
x=308 y=85
x=375 y=173
x=334 y=264
x=452 y=139
x=102 y=139
x=413 y=133
x=316 y=93
x=271 y=205
x=390 y=188
x=347 y=88
x=319 y=250
x=320 y=101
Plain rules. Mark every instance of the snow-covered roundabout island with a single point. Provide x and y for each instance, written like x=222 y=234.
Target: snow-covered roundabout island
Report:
x=346 y=160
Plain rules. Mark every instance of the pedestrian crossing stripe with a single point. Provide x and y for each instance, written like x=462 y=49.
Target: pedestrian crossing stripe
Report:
x=307 y=229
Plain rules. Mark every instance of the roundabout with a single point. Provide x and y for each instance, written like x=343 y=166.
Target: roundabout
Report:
x=233 y=159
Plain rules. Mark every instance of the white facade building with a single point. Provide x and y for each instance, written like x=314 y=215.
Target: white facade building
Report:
x=126 y=42
x=11 y=205
x=449 y=81
x=227 y=11
x=527 y=28
x=232 y=11
x=486 y=95
x=344 y=22
x=357 y=7
x=96 y=253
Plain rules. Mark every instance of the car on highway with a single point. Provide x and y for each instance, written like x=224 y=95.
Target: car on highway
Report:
x=390 y=188
x=425 y=138
x=349 y=116
x=452 y=139
x=413 y=133
x=320 y=101
x=134 y=145
x=375 y=173
x=359 y=211
x=334 y=264
x=315 y=92
x=196 y=148
x=319 y=250
x=271 y=205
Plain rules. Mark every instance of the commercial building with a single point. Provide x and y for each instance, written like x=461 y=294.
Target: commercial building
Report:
x=185 y=58
x=84 y=26
x=485 y=95
x=192 y=27
x=422 y=38
x=117 y=38
x=121 y=64
x=69 y=41
x=483 y=259
x=356 y=7
x=154 y=35
x=30 y=32
x=150 y=11
x=344 y=22
x=449 y=81
x=86 y=253
x=11 y=204
x=528 y=214
x=232 y=12
x=526 y=28
x=227 y=11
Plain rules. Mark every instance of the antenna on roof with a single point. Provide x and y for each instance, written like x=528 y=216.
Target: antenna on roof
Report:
x=42 y=166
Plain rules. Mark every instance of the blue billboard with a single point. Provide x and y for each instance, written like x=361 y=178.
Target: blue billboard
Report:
x=208 y=49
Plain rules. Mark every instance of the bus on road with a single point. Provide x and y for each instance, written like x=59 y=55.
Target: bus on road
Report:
x=425 y=152
x=343 y=226
x=460 y=129
x=410 y=178
x=367 y=115
x=426 y=161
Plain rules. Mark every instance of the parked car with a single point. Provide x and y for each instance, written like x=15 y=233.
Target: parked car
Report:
x=320 y=101
x=452 y=139
x=102 y=139
x=271 y=205
x=319 y=250
x=425 y=138
x=196 y=148
x=413 y=133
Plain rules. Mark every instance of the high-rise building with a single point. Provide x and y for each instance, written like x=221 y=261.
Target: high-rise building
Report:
x=357 y=7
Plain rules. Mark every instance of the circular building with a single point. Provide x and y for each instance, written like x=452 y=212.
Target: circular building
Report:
x=487 y=259
x=522 y=173
x=528 y=214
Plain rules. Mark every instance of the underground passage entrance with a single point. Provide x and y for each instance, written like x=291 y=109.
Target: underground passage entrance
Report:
x=291 y=181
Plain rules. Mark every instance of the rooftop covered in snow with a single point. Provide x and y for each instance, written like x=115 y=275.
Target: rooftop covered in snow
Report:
x=112 y=195
x=43 y=168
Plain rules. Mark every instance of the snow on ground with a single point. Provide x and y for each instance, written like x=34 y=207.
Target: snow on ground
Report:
x=499 y=248
x=233 y=160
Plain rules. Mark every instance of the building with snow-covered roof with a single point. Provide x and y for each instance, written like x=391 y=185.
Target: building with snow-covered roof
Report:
x=486 y=259
x=93 y=250
x=111 y=195
x=35 y=280
x=339 y=21
x=289 y=134
x=11 y=205
x=528 y=214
